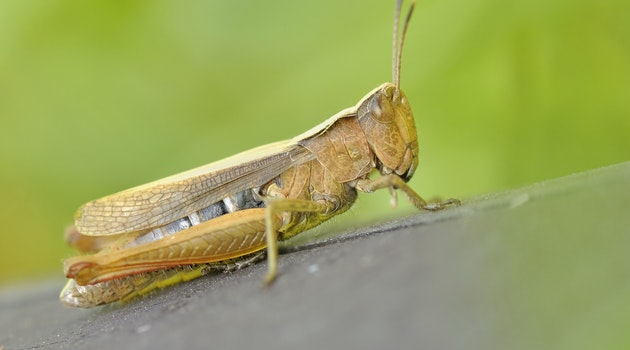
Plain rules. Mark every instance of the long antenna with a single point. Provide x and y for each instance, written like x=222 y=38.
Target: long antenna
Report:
x=399 y=41
x=395 y=66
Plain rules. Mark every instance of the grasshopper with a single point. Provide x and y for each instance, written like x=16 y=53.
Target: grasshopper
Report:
x=229 y=213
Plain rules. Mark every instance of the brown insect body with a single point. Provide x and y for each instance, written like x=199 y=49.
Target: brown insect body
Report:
x=326 y=186
x=236 y=207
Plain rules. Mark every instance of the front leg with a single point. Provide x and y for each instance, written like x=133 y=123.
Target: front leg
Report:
x=394 y=182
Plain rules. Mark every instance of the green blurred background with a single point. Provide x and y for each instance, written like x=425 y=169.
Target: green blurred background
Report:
x=99 y=96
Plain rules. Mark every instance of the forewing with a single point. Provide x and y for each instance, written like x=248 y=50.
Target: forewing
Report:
x=166 y=200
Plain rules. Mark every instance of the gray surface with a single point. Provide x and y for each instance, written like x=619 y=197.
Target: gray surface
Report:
x=540 y=267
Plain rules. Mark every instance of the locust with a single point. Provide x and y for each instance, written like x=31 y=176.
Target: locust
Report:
x=231 y=213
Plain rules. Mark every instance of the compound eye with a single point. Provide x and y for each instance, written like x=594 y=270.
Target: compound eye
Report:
x=381 y=108
x=375 y=108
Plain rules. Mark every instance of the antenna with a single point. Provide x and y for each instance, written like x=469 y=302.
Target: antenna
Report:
x=398 y=41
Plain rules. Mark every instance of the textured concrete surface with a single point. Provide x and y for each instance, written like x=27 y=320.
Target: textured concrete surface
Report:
x=542 y=267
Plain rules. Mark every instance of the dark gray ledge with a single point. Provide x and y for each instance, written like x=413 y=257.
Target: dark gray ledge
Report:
x=542 y=267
